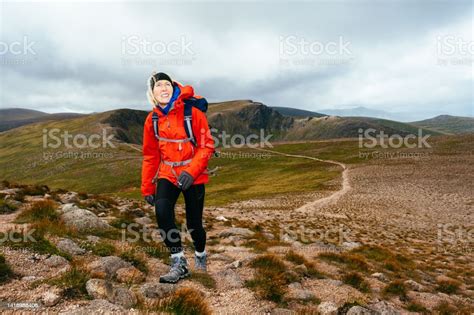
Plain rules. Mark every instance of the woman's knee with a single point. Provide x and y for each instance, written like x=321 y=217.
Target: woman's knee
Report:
x=164 y=210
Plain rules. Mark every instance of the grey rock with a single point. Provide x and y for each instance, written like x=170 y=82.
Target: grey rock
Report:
x=234 y=265
x=156 y=290
x=84 y=220
x=123 y=297
x=50 y=298
x=68 y=207
x=102 y=289
x=327 y=308
x=288 y=238
x=379 y=276
x=99 y=288
x=10 y=191
x=350 y=245
x=144 y=220
x=359 y=310
x=29 y=278
x=413 y=285
x=56 y=261
x=107 y=266
x=70 y=247
x=384 y=308
x=235 y=231
x=295 y=286
x=93 y=239
x=268 y=235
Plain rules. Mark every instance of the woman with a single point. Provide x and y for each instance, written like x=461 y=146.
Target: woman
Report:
x=173 y=163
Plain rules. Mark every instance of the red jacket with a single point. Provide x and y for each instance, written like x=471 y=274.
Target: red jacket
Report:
x=171 y=126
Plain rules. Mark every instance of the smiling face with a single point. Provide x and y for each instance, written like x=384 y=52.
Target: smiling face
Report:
x=162 y=91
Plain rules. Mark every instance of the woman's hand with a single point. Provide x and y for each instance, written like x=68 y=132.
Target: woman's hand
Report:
x=185 y=180
x=150 y=199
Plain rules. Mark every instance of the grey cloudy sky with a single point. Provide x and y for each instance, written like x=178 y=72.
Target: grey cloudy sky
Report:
x=412 y=57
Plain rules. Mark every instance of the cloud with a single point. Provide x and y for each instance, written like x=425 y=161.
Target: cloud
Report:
x=95 y=56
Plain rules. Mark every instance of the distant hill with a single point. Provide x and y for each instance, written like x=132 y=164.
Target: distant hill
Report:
x=361 y=111
x=330 y=127
x=294 y=112
x=245 y=117
x=15 y=117
x=448 y=124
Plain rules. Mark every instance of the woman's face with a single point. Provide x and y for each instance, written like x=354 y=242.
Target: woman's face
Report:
x=163 y=90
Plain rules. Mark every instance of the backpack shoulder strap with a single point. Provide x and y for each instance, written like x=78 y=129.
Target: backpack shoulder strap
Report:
x=188 y=122
x=154 y=118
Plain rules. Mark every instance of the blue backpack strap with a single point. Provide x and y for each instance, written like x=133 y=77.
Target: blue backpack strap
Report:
x=188 y=121
x=154 y=118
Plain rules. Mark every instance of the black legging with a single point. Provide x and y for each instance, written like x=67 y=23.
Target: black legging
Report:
x=167 y=194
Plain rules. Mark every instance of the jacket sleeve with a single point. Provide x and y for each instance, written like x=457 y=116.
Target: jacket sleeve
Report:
x=205 y=144
x=151 y=157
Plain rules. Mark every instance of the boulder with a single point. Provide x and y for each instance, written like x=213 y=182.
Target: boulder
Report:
x=156 y=290
x=70 y=247
x=84 y=220
x=327 y=308
x=106 y=267
x=99 y=288
x=68 y=207
x=56 y=261
x=50 y=298
x=235 y=231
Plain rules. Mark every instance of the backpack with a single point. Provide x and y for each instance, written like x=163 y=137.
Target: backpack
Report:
x=199 y=103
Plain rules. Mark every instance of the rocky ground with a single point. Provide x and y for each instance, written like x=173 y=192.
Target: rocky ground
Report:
x=398 y=241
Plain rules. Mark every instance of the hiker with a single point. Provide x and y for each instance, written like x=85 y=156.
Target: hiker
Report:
x=177 y=146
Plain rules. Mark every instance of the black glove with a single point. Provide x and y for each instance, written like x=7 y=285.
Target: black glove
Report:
x=185 y=180
x=150 y=199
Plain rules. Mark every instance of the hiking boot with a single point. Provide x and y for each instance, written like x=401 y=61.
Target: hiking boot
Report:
x=200 y=263
x=179 y=270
